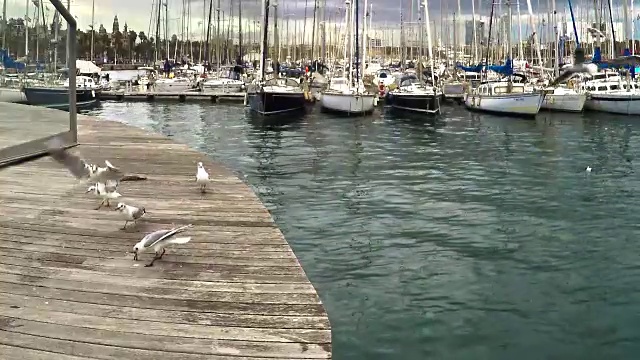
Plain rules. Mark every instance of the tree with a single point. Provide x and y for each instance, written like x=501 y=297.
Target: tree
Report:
x=131 y=35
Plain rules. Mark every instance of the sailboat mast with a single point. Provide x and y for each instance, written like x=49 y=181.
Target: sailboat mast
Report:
x=429 y=46
x=556 y=62
x=158 y=31
x=364 y=38
x=207 y=40
x=510 y=49
x=264 y=34
x=357 y=43
x=475 y=35
x=218 y=35
x=240 y=31
x=276 y=41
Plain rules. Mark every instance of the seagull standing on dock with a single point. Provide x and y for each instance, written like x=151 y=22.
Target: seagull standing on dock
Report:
x=158 y=240
x=202 y=178
x=130 y=213
x=579 y=66
x=108 y=191
x=80 y=168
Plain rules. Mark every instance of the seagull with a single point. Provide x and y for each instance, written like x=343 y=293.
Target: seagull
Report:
x=80 y=168
x=595 y=32
x=130 y=213
x=158 y=240
x=202 y=178
x=106 y=191
x=588 y=169
x=579 y=66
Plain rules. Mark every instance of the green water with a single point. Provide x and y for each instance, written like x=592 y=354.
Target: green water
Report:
x=476 y=237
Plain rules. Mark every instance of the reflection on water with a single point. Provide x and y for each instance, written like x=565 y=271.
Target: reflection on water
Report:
x=472 y=237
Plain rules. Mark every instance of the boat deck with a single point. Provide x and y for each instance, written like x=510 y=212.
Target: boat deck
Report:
x=69 y=288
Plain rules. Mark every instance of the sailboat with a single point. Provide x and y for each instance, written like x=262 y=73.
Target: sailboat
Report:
x=273 y=96
x=345 y=94
x=413 y=94
x=504 y=97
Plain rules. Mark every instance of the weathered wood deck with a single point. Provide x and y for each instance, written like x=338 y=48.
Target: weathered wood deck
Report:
x=69 y=288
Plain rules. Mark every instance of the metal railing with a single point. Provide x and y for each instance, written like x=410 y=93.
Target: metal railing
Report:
x=72 y=27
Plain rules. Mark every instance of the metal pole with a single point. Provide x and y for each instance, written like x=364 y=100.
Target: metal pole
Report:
x=68 y=36
x=71 y=45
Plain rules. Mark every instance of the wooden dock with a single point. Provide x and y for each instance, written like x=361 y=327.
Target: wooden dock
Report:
x=69 y=288
x=187 y=96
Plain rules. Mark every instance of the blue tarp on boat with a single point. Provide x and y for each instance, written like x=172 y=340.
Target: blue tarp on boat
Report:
x=8 y=62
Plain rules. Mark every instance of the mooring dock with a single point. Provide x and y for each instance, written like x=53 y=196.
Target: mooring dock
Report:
x=69 y=288
x=185 y=96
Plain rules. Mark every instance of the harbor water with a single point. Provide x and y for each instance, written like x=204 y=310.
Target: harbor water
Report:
x=470 y=237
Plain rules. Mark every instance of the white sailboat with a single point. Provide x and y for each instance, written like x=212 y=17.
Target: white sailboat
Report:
x=505 y=97
x=561 y=98
x=345 y=94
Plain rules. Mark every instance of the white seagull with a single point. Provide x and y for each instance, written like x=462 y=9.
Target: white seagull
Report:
x=80 y=168
x=158 y=240
x=202 y=178
x=579 y=66
x=108 y=191
x=130 y=213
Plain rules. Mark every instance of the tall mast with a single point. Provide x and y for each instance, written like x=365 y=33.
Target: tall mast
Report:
x=206 y=43
x=158 y=30
x=218 y=35
x=475 y=35
x=264 y=43
x=508 y=3
x=93 y=29
x=276 y=41
x=429 y=45
x=240 y=31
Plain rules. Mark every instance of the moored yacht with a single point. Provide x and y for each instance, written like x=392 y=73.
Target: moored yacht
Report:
x=415 y=96
x=503 y=97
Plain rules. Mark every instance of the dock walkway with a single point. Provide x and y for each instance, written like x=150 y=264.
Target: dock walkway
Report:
x=69 y=288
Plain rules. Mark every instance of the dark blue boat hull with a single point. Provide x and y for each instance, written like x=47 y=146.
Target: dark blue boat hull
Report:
x=58 y=97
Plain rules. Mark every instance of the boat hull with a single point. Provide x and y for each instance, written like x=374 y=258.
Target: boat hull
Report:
x=275 y=102
x=564 y=102
x=625 y=103
x=417 y=103
x=348 y=103
x=58 y=98
x=527 y=104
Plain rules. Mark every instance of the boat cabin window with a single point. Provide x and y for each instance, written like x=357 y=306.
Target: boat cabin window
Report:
x=614 y=87
x=503 y=89
x=602 y=88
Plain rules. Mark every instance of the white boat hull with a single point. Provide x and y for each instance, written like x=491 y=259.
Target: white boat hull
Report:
x=564 y=102
x=348 y=103
x=515 y=104
x=11 y=95
x=622 y=103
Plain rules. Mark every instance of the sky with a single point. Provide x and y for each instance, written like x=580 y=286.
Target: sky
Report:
x=385 y=14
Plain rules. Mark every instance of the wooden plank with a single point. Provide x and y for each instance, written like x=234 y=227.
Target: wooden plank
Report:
x=69 y=287
x=11 y=352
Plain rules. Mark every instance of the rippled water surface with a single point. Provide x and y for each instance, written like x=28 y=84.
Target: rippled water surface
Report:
x=475 y=237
